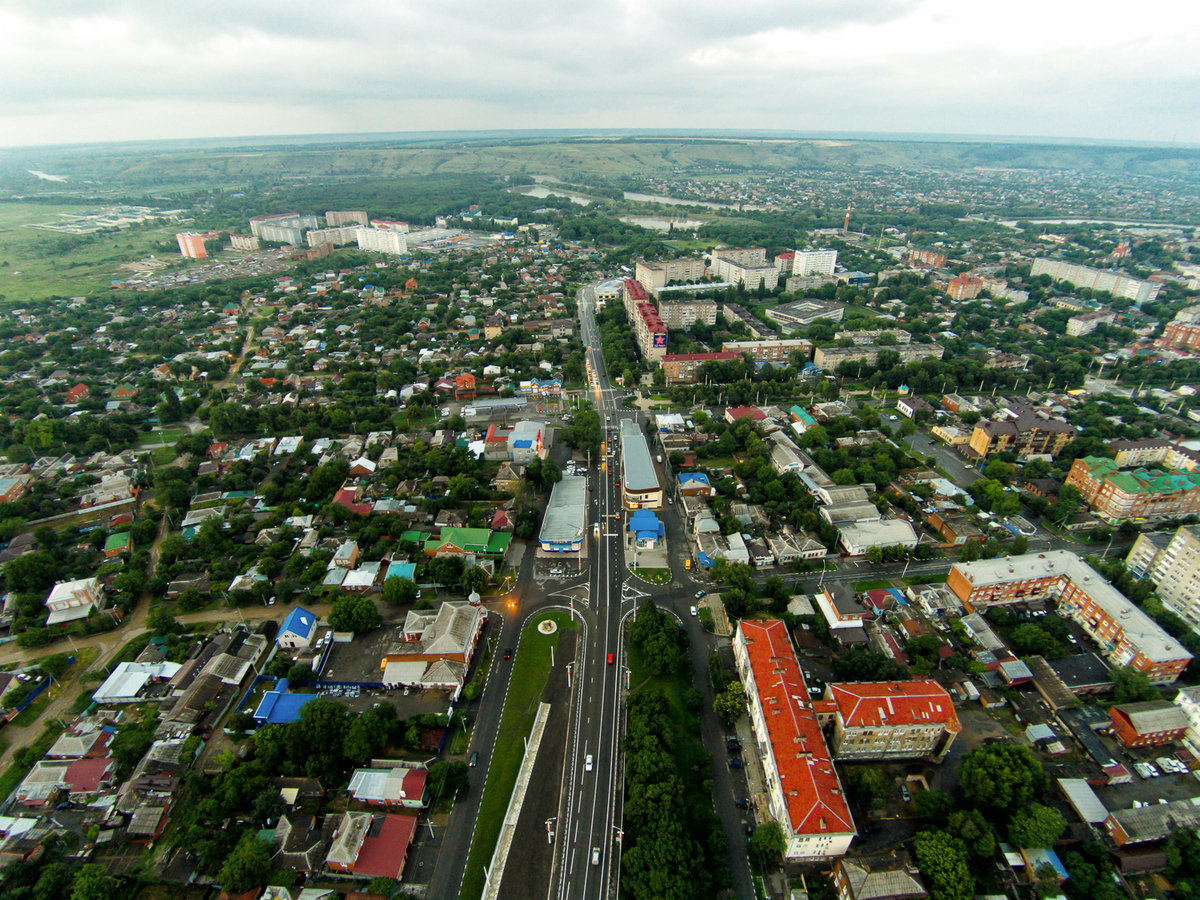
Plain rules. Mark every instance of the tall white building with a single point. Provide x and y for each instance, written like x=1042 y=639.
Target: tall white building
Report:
x=336 y=235
x=1175 y=568
x=814 y=262
x=382 y=240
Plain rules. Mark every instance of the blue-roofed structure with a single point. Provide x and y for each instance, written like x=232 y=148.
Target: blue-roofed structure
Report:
x=278 y=707
x=298 y=629
x=695 y=484
x=646 y=527
x=401 y=570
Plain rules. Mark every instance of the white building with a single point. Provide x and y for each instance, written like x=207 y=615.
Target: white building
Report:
x=382 y=240
x=71 y=600
x=859 y=537
x=1188 y=699
x=814 y=262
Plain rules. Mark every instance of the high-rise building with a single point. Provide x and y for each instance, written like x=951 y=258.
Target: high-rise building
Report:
x=1174 y=568
x=814 y=262
x=654 y=275
x=284 y=228
x=382 y=240
x=1097 y=279
x=334 y=218
x=337 y=236
x=191 y=245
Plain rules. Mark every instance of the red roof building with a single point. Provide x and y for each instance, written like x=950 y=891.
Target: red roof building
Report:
x=464 y=386
x=1148 y=724
x=753 y=413
x=77 y=393
x=372 y=846
x=349 y=498
x=680 y=368
x=892 y=720
x=804 y=793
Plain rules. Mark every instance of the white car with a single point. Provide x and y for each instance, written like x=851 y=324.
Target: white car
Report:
x=595 y=856
x=694 y=613
x=587 y=763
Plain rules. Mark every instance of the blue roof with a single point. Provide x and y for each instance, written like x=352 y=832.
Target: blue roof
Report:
x=299 y=621
x=645 y=524
x=401 y=570
x=278 y=708
x=523 y=444
x=699 y=477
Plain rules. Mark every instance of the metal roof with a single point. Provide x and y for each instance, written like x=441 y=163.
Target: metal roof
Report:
x=637 y=467
x=1084 y=800
x=566 y=511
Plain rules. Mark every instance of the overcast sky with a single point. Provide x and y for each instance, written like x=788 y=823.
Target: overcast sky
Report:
x=100 y=70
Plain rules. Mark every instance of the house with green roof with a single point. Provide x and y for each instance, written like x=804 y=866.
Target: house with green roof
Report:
x=462 y=541
x=118 y=544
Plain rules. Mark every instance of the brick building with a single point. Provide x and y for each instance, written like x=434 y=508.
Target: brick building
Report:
x=680 y=368
x=1136 y=495
x=890 y=720
x=1148 y=724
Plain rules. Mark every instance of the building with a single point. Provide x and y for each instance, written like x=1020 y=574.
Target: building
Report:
x=1152 y=821
x=371 y=845
x=1126 y=635
x=469 y=543
x=923 y=256
x=752 y=275
x=403 y=786
x=1173 y=564
x=694 y=484
x=964 y=287
x=336 y=236
x=1188 y=700
x=803 y=791
x=839 y=606
x=640 y=488
x=71 y=600
x=814 y=262
x=784 y=455
x=191 y=244
x=1021 y=429
x=686 y=313
x=680 y=368
x=891 y=720
x=563 y=525
x=779 y=351
x=1149 y=724
x=285 y=228
x=646 y=528
x=298 y=629
x=858 y=537
x=1183 y=332
x=382 y=240
x=654 y=275
x=1097 y=279
x=336 y=218
x=883 y=879
x=910 y=406
x=802 y=313
x=1086 y=323
x=1137 y=495
x=243 y=242
x=832 y=357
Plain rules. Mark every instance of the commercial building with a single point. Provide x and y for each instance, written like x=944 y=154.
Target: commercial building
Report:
x=382 y=240
x=1126 y=635
x=336 y=236
x=71 y=600
x=804 y=794
x=1152 y=821
x=832 y=357
x=1019 y=428
x=1138 y=495
x=680 y=368
x=1097 y=279
x=858 y=537
x=336 y=218
x=814 y=262
x=890 y=720
x=656 y=274
x=435 y=647
x=1173 y=564
x=1148 y=724
x=640 y=488
x=779 y=351
x=802 y=313
x=564 y=521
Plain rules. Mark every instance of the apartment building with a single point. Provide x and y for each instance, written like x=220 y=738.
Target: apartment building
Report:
x=733 y=312
x=680 y=368
x=1188 y=700
x=191 y=244
x=923 y=256
x=382 y=240
x=654 y=275
x=740 y=256
x=1172 y=562
x=814 y=262
x=1126 y=635
x=1022 y=429
x=1086 y=323
x=964 y=287
x=1182 y=333
x=243 y=242
x=285 y=228
x=686 y=313
x=1136 y=495
x=336 y=236
x=1097 y=279
x=804 y=793
x=336 y=218
x=832 y=357
x=889 y=720
x=770 y=351
x=752 y=277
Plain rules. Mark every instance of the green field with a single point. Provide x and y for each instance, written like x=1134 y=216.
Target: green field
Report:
x=36 y=263
x=531 y=669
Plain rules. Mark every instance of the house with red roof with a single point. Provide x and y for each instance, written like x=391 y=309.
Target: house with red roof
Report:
x=804 y=793
x=350 y=496
x=891 y=720
x=753 y=413
x=77 y=393
x=371 y=845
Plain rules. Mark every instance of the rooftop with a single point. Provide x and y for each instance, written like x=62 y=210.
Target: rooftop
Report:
x=566 y=511
x=637 y=467
x=883 y=703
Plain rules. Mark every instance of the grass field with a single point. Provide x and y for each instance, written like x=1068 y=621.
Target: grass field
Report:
x=154 y=438
x=26 y=758
x=36 y=263
x=531 y=669
x=872 y=585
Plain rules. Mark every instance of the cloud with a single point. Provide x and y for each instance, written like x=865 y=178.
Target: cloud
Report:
x=118 y=69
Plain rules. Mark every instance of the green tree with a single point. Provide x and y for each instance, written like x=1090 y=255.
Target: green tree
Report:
x=1001 y=777
x=730 y=704
x=354 y=614
x=934 y=806
x=942 y=859
x=767 y=843
x=399 y=590
x=1036 y=826
x=974 y=831
x=247 y=867
x=1132 y=686
x=93 y=883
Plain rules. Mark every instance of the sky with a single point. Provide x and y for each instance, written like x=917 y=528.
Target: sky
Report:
x=112 y=70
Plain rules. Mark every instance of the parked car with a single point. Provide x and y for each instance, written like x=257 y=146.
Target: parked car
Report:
x=736 y=764
x=694 y=612
x=905 y=794
x=741 y=803
x=700 y=595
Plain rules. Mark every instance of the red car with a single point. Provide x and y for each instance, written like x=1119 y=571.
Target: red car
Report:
x=610 y=659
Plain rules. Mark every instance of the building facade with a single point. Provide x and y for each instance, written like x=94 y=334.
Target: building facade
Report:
x=1137 y=495
x=1022 y=431
x=686 y=313
x=1174 y=568
x=1097 y=279
x=382 y=240
x=890 y=720
x=654 y=275
x=814 y=262
x=832 y=357
x=680 y=368
x=779 y=351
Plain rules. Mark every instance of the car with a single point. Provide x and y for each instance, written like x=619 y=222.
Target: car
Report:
x=508 y=652
x=741 y=803
x=474 y=759
x=595 y=856
x=694 y=612
x=893 y=418
x=610 y=659
x=587 y=763
x=700 y=595
x=734 y=740
x=1154 y=773
x=905 y=794
x=734 y=749
x=736 y=764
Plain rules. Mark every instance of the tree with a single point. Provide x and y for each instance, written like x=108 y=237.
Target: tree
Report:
x=399 y=590
x=1131 y=686
x=247 y=867
x=730 y=704
x=161 y=621
x=934 y=806
x=381 y=885
x=1001 y=777
x=975 y=832
x=1036 y=826
x=942 y=859
x=93 y=883
x=354 y=614
x=868 y=786
x=767 y=843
